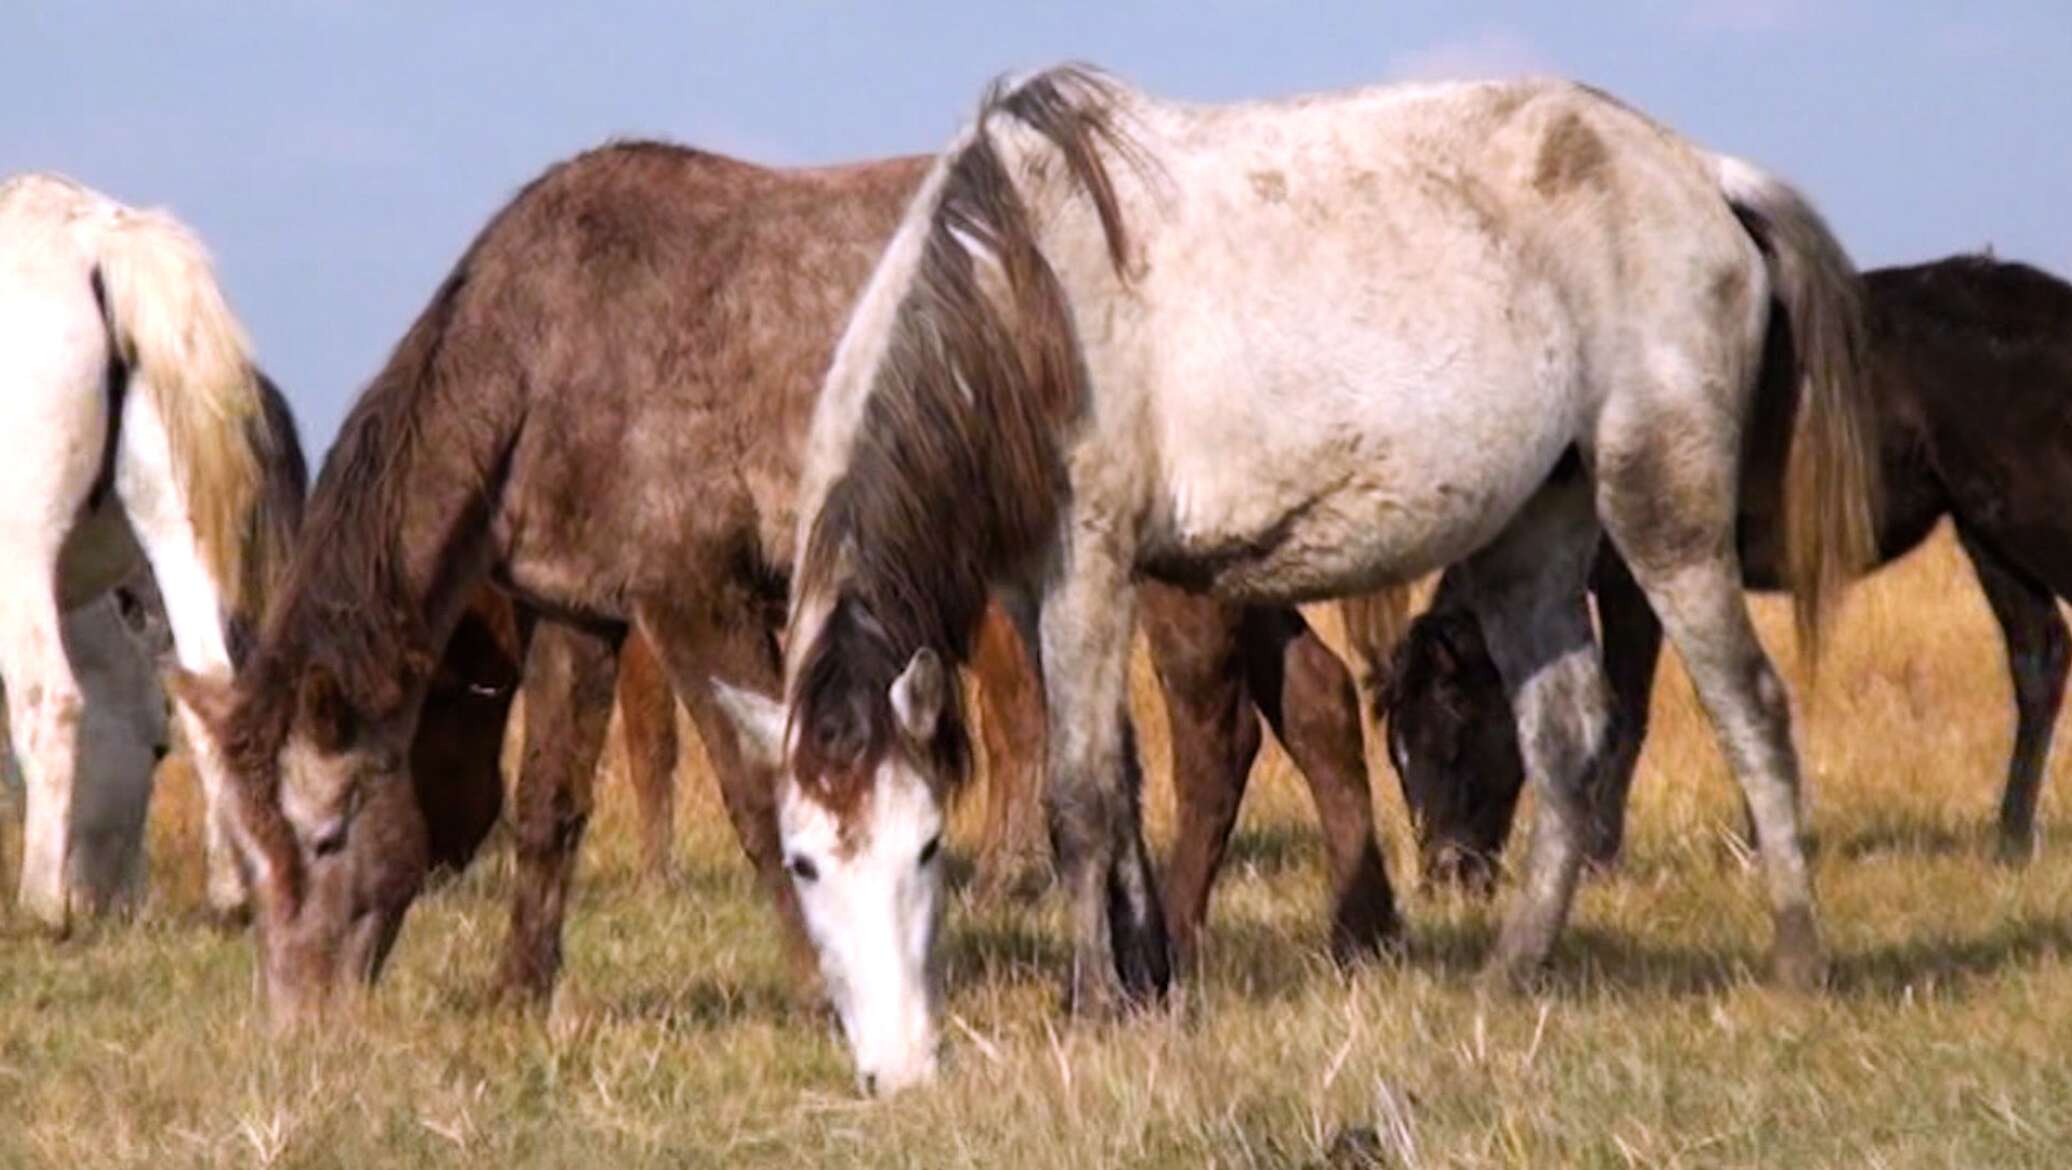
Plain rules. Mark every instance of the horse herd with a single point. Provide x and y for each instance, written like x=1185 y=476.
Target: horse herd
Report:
x=787 y=446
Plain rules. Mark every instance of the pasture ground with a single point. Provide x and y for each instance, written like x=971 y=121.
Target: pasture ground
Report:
x=677 y=1039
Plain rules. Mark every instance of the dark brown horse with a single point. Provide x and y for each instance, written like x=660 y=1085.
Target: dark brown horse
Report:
x=1972 y=366
x=601 y=410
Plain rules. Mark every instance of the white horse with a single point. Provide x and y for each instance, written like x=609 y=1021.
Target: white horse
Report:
x=145 y=428
x=1280 y=352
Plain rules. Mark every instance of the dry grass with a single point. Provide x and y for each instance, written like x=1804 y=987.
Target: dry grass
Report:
x=676 y=1040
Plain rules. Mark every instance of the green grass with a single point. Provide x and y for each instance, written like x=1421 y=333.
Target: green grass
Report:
x=678 y=1038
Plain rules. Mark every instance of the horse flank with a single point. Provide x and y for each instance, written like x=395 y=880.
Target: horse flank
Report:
x=1831 y=474
x=954 y=471
x=171 y=325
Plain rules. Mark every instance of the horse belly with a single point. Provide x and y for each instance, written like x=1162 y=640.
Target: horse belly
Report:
x=1315 y=453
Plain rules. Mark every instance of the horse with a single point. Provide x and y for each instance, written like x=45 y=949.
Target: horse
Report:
x=1276 y=352
x=666 y=314
x=1971 y=371
x=156 y=440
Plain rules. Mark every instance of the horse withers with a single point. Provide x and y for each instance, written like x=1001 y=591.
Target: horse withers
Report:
x=1971 y=376
x=1278 y=352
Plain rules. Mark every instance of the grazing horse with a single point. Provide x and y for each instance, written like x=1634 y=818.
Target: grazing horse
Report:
x=1971 y=374
x=1276 y=352
x=602 y=410
x=155 y=437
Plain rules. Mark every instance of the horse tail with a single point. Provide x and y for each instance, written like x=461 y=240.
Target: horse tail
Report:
x=173 y=329
x=1374 y=625
x=273 y=523
x=1831 y=473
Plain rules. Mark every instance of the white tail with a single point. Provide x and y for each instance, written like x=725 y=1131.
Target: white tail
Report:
x=174 y=329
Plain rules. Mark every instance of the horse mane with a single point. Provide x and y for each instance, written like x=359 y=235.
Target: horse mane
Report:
x=343 y=606
x=954 y=470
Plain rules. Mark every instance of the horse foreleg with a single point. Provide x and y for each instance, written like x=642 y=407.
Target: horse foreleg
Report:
x=1011 y=728
x=1120 y=952
x=1632 y=650
x=1214 y=736
x=1308 y=699
x=647 y=718
x=568 y=693
x=2039 y=651
x=45 y=704
x=1527 y=590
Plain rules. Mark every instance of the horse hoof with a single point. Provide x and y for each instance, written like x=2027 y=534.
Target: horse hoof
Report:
x=2015 y=848
x=1143 y=967
x=1366 y=931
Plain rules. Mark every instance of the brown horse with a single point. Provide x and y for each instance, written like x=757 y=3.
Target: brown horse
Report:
x=1972 y=368
x=601 y=410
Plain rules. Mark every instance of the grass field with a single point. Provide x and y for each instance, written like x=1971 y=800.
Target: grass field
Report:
x=677 y=1039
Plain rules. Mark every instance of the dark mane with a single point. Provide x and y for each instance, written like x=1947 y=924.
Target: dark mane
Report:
x=954 y=472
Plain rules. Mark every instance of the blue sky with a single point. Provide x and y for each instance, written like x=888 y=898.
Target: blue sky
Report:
x=338 y=156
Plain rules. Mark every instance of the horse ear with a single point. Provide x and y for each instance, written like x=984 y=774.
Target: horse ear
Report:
x=1444 y=654
x=918 y=694
x=324 y=709
x=758 y=723
x=208 y=695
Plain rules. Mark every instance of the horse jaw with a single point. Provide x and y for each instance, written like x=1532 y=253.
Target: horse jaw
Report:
x=758 y=723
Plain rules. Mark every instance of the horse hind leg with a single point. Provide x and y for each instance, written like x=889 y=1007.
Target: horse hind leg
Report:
x=2039 y=652
x=194 y=606
x=1666 y=496
x=1010 y=711
x=1215 y=737
x=1527 y=590
x=45 y=705
x=647 y=713
x=1307 y=697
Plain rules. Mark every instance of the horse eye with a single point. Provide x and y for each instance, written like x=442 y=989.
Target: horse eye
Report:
x=803 y=869
x=929 y=850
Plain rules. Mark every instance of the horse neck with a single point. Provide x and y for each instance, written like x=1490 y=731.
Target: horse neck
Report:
x=396 y=539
